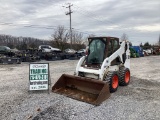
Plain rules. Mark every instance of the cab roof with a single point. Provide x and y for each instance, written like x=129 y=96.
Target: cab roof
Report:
x=103 y=37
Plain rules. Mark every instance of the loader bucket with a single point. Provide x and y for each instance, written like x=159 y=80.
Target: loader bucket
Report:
x=84 y=89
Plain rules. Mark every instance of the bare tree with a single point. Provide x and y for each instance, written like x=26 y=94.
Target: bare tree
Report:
x=141 y=45
x=85 y=42
x=124 y=37
x=77 y=37
x=159 y=41
x=78 y=40
x=91 y=35
x=86 y=39
x=60 y=37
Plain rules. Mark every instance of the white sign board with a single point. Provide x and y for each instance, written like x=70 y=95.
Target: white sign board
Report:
x=39 y=76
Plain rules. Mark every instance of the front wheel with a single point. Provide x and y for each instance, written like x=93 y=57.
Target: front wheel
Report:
x=113 y=79
x=124 y=75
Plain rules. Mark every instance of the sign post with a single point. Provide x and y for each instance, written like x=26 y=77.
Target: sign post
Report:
x=39 y=77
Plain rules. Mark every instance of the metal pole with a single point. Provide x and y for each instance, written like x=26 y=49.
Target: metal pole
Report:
x=69 y=13
x=70 y=26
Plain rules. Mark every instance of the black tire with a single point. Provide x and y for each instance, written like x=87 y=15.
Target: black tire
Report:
x=113 y=79
x=124 y=57
x=124 y=75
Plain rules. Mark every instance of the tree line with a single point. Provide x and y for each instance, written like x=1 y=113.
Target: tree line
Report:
x=59 y=39
x=20 y=43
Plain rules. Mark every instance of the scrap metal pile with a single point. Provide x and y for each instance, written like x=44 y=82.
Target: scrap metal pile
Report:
x=14 y=56
x=7 y=56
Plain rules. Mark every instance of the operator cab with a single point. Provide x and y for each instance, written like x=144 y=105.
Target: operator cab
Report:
x=100 y=48
x=96 y=51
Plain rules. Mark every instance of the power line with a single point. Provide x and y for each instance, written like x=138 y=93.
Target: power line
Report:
x=53 y=27
x=93 y=15
x=38 y=26
x=45 y=27
x=99 y=19
x=28 y=25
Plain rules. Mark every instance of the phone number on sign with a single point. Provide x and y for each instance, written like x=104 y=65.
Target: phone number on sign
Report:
x=38 y=87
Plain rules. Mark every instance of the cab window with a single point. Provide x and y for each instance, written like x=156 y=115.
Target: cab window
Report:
x=96 y=52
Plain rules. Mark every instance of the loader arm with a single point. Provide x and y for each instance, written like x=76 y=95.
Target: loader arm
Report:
x=119 y=53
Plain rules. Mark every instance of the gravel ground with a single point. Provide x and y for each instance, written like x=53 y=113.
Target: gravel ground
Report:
x=140 y=100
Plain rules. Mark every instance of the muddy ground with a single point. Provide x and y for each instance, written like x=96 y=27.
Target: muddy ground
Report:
x=140 y=100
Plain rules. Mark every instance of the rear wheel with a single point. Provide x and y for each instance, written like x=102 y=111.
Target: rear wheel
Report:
x=124 y=75
x=113 y=79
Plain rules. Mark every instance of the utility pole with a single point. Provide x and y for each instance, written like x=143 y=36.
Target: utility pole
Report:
x=69 y=13
x=159 y=40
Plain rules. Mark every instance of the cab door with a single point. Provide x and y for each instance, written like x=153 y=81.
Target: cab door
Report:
x=113 y=45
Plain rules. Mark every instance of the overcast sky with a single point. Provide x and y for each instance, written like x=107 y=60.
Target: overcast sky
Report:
x=139 y=19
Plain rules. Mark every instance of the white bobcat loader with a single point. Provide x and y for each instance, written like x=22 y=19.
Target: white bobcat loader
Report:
x=99 y=73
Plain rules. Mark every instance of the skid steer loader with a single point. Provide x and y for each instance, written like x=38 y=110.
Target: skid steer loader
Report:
x=105 y=66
